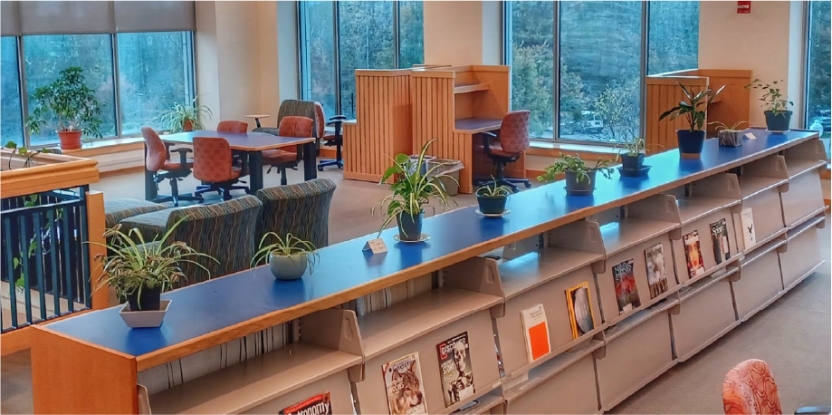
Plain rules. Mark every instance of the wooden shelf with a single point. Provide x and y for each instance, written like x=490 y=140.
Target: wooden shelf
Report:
x=467 y=88
x=531 y=270
x=385 y=329
x=754 y=185
x=619 y=236
x=697 y=207
x=253 y=382
x=796 y=167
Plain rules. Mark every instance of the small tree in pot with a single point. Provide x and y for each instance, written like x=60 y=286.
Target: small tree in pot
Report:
x=288 y=257
x=580 y=178
x=411 y=191
x=778 y=115
x=492 y=198
x=691 y=141
x=71 y=104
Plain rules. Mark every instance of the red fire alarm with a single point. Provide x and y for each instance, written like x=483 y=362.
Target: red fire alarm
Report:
x=743 y=7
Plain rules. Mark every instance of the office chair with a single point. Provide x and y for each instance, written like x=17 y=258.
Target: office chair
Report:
x=513 y=140
x=749 y=388
x=329 y=140
x=157 y=160
x=232 y=126
x=213 y=164
x=290 y=126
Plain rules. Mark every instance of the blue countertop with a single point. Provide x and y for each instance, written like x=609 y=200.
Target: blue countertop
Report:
x=204 y=308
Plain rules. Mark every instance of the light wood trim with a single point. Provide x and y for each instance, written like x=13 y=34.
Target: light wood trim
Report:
x=20 y=339
x=121 y=172
x=63 y=172
x=72 y=376
x=131 y=145
x=383 y=72
x=96 y=227
x=465 y=89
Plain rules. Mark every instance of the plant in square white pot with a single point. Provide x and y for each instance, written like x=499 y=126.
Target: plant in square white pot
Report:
x=414 y=187
x=140 y=271
x=580 y=177
x=778 y=115
x=691 y=140
x=288 y=257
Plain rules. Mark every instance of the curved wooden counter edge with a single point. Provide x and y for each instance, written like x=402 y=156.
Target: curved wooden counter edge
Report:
x=58 y=172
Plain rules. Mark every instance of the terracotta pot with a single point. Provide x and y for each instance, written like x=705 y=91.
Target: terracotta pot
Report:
x=187 y=125
x=70 y=140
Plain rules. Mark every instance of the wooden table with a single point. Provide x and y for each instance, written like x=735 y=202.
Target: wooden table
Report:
x=252 y=144
x=476 y=125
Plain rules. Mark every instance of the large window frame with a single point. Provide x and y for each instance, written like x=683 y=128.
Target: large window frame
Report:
x=808 y=115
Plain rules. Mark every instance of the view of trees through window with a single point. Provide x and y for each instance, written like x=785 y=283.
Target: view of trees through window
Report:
x=366 y=40
x=818 y=76
x=599 y=52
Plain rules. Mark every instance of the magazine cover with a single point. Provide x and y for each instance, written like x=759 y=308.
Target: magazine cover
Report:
x=656 y=277
x=693 y=255
x=625 y=287
x=403 y=382
x=580 y=310
x=749 y=236
x=319 y=404
x=535 y=332
x=455 y=369
x=719 y=235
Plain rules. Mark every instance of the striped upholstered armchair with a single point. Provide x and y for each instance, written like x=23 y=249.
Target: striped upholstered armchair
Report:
x=301 y=209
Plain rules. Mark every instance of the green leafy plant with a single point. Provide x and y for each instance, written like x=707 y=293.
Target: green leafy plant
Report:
x=286 y=246
x=690 y=108
x=179 y=115
x=721 y=126
x=493 y=190
x=632 y=148
x=70 y=101
x=412 y=189
x=24 y=152
x=772 y=99
x=133 y=264
x=574 y=164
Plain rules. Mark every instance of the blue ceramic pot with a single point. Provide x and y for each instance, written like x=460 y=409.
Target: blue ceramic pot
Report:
x=492 y=205
x=632 y=163
x=779 y=122
x=410 y=227
x=578 y=188
x=690 y=142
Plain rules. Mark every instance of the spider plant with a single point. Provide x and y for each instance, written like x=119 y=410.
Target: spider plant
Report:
x=287 y=246
x=720 y=126
x=575 y=165
x=493 y=189
x=632 y=148
x=185 y=117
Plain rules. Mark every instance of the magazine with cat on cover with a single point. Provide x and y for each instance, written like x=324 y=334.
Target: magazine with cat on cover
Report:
x=693 y=254
x=719 y=236
x=656 y=275
x=625 y=287
x=320 y=404
x=403 y=384
x=749 y=235
x=455 y=369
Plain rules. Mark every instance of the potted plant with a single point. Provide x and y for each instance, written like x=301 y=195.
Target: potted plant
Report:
x=185 y=117
x=492 y=198
x=141 y=271
x=778 y=115
x=632 y=154
x=288 y=257
x=412 y=190
x=691 y=141
x=72 y=104
x=24 y=152
x=580 y=178
x=729 y=136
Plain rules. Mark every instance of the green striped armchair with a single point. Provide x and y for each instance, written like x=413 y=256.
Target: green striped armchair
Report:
x=301 y=209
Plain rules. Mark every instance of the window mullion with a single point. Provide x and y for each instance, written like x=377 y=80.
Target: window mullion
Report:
x=336 y=53
x=556 y=72
x=24 y=96
x=116 y=95
x=642 y=83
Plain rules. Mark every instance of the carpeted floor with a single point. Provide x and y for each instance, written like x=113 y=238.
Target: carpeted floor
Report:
x=792 y=335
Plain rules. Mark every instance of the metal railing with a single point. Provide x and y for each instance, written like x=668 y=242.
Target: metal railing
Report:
x=45 y=269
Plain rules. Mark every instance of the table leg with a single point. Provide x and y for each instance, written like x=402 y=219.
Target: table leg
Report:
x=310 y=170
x=255 y=166
x=150 y=190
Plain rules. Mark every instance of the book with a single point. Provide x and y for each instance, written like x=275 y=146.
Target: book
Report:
x=455 y=369
x=579 y=305
x=316 y=405
x=749 y=236
x=693 y=254
x=403 y=385
x=656 y=276
x=719 y=235
x=625 y=287
x=536 y=332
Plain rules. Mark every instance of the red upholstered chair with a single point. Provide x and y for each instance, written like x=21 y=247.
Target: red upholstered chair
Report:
x=329 y=139
x=510 y=142
x=213 y=165
x=290 y=126
x=157 y=160
x=749 y=388
x=232 y=126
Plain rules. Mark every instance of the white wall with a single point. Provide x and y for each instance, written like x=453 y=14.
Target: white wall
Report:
x=462 y=32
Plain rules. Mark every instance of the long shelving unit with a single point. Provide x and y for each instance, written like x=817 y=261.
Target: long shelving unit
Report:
x=610 y=274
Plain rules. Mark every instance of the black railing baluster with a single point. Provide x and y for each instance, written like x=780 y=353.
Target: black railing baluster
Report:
x=24 y=267
x=53 y=256
x=37 y=237
x=65 y=248
x=8 y=258
x=85 y=253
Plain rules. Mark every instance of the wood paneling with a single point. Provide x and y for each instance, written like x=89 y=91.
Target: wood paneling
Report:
x=52 y=171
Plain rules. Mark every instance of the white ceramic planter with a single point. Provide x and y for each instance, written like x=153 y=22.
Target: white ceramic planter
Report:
x=144 y=319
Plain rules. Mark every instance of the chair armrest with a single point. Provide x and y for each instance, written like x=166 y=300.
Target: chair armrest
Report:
x=183 y=158
x=810 y=410
x=486 y=142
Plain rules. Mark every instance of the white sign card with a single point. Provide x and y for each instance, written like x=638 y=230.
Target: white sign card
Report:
x=377 y=246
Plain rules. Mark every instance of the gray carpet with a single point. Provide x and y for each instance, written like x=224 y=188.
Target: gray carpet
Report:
x=792 y=335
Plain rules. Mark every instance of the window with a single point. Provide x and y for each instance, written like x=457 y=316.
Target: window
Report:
x=818 y=76
x=12 y=125
x=339 y=37
x=598 y=47
x=155 y=71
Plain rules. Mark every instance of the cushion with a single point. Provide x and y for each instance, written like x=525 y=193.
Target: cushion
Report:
x=151 y=224
x=117 y=209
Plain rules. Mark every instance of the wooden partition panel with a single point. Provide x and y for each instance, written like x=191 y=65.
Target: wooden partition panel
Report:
x=733 y=104
x=433 y=111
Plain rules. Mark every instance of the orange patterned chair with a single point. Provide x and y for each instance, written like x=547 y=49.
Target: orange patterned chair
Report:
x=290 y=126
x=749 y=388
x=157 y=160
x=232 y=126
x=511 y=142
x=214 y=165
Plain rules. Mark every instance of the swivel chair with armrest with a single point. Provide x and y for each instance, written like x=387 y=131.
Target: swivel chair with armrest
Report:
x=290 y=126
x=157 y=160
x=749 y=388
x=236 y=127
x=513 y=140
x=334 y=139
x=214 y=165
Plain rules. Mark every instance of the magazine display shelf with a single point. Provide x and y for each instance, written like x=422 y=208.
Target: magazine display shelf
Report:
x=803 y=201
x=759 y=282
x=761 y=183
x=802 y=258
x=90 y=363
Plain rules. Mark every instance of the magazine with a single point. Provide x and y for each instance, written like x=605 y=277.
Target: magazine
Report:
x=455 y=369
x=403 y=383
x=625 y=287
x=656 y=276
x=319 y=404
x=536 y=332
x=580 y=310
x=749 y=236
x=693 y=255
x=719 y=235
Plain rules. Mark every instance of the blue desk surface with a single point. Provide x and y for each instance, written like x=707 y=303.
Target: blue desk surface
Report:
x=204 y=308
